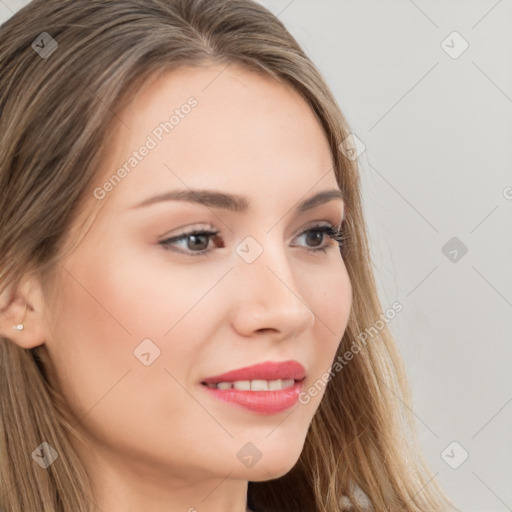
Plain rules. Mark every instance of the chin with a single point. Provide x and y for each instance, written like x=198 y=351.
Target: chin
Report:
x=271 y=473
x=274 y=466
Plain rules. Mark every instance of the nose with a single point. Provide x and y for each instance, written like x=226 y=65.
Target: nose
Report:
x=269 y=297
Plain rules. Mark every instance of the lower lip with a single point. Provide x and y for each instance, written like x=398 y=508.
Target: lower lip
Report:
x=262 y=402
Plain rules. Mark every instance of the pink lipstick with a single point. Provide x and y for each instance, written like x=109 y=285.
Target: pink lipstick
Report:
x=265 y=388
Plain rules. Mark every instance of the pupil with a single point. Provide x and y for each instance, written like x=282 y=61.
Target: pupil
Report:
x=196 y=238
x=316 y=235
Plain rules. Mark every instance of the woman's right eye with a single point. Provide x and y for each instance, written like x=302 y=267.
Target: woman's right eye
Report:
x=194 y=240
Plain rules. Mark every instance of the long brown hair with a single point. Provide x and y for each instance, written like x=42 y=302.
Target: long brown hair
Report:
x=57 y=112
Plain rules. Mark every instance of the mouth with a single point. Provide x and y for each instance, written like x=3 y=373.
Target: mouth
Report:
x=264 y=376
x=264 y=388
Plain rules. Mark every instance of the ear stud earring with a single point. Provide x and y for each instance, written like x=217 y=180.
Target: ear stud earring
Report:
x=21 y=326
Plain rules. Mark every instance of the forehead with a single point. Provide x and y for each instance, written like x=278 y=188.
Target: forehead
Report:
x=217 y=127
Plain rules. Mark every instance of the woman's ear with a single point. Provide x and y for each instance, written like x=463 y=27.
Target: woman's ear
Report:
x=22 y=313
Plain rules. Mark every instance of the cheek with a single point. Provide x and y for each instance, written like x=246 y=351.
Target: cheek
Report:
x=86 y=342
x=108 y=304
x=331 y=303
x=330 y=298
x=101 y=314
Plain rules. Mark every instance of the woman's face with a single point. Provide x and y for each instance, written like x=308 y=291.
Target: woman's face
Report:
x=136 y=326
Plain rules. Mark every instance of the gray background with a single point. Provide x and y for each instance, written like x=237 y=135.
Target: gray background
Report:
x=437 y=163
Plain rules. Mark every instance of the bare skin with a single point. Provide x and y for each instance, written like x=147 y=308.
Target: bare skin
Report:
x=157 y=441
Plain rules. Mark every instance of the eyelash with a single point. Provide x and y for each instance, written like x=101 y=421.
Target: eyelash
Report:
x=333 y=233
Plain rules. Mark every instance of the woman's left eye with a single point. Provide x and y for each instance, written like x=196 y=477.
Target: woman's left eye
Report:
x=318 y=235
x=199 y=239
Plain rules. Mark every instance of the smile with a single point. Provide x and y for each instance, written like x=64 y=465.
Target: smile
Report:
x=255 y=385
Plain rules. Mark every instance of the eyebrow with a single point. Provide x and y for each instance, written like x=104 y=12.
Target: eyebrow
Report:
x=233 y=202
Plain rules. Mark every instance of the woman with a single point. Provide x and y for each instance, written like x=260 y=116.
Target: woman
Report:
x=138 y=135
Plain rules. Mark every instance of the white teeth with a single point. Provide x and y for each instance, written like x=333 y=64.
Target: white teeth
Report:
x=259 y=385
x=288 y=383
x=244 y=385
x=255 y=385
x=275 y=384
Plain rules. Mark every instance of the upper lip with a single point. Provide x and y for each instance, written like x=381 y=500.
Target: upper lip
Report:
x=267 y=370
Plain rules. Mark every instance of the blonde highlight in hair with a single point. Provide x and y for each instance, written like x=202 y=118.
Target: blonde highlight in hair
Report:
x=56 y=117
